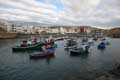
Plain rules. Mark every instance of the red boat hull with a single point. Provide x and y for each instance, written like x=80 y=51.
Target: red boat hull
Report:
x=49 y=43
x=42 y=55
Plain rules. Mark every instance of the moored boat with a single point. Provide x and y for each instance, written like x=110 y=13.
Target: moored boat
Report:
x=59 y=39
x=103 y=39
x=102 y=45
x=32 y=47
x=78 y=51
x=95 y=39
x=90 y=42
x=85 y=39
x=43 y=53
x=70 y=44
x=70 y=47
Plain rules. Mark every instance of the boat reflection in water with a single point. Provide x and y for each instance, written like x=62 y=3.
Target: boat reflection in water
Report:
x=83 y=56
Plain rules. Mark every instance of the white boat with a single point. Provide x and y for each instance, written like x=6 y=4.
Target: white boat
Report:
x=78 y=51
x=70 y=44
x=70 y=47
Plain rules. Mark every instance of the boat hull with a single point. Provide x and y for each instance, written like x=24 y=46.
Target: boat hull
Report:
x=34 y=47
x=71 y=47
x=95 y=39
x=28 y=48
x=101 y=46
x=77 y=52
x=42 y=54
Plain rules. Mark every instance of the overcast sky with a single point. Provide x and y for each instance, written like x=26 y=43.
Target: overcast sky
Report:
x=100 y=13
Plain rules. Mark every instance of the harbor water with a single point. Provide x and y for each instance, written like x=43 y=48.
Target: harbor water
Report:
x=18 y=66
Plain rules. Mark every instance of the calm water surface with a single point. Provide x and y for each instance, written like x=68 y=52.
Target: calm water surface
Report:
x=18 y=66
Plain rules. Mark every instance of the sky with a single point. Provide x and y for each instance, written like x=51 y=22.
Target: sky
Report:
x=99 y=13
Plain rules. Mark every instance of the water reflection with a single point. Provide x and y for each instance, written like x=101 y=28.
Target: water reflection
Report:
x=82 y=56
x=47 y=59
x=61 y=66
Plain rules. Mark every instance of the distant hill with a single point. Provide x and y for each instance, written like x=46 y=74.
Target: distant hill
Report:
x=28 y=23
x=114 y=32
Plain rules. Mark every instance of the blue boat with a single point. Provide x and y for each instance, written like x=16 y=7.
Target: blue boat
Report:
x=102 y=45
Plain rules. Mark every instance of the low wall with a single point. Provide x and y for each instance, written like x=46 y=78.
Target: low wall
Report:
x=5 y=35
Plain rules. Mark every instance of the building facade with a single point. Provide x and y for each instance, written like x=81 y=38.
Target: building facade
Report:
x=32 y=29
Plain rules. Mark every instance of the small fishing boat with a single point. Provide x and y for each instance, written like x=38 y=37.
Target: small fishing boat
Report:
x=43 y=53
x=32 y=47
x=85 y=39
x=70 y=47
x=83 y=43
x=79 y=51
x=103 y=39
x=59 y=39
x=102 y=45
x=70 y=44
x=90 y=42
x=95 y=39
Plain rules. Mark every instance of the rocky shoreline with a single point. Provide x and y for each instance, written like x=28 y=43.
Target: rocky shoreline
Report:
x=111 y=75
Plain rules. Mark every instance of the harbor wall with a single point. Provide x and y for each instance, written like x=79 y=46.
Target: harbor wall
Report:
x=5 y=35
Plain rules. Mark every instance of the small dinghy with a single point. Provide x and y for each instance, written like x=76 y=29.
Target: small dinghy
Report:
x=103 y=39
x=78 y=51
x=70 y=47
x=70 y=44
x=37 y=46
x=44 y=53
x=90 y=42
x=95 y=39
x=102 y=45
x=84 y=39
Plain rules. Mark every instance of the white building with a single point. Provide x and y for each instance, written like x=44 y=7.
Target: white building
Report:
x=28 y=29
x=5 y=25
x=32 y=29
x=62 y=30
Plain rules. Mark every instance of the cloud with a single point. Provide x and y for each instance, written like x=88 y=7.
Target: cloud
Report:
x=104 y=13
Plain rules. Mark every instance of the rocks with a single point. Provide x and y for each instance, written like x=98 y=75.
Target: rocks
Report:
x=111 y=75
x=108 y=77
